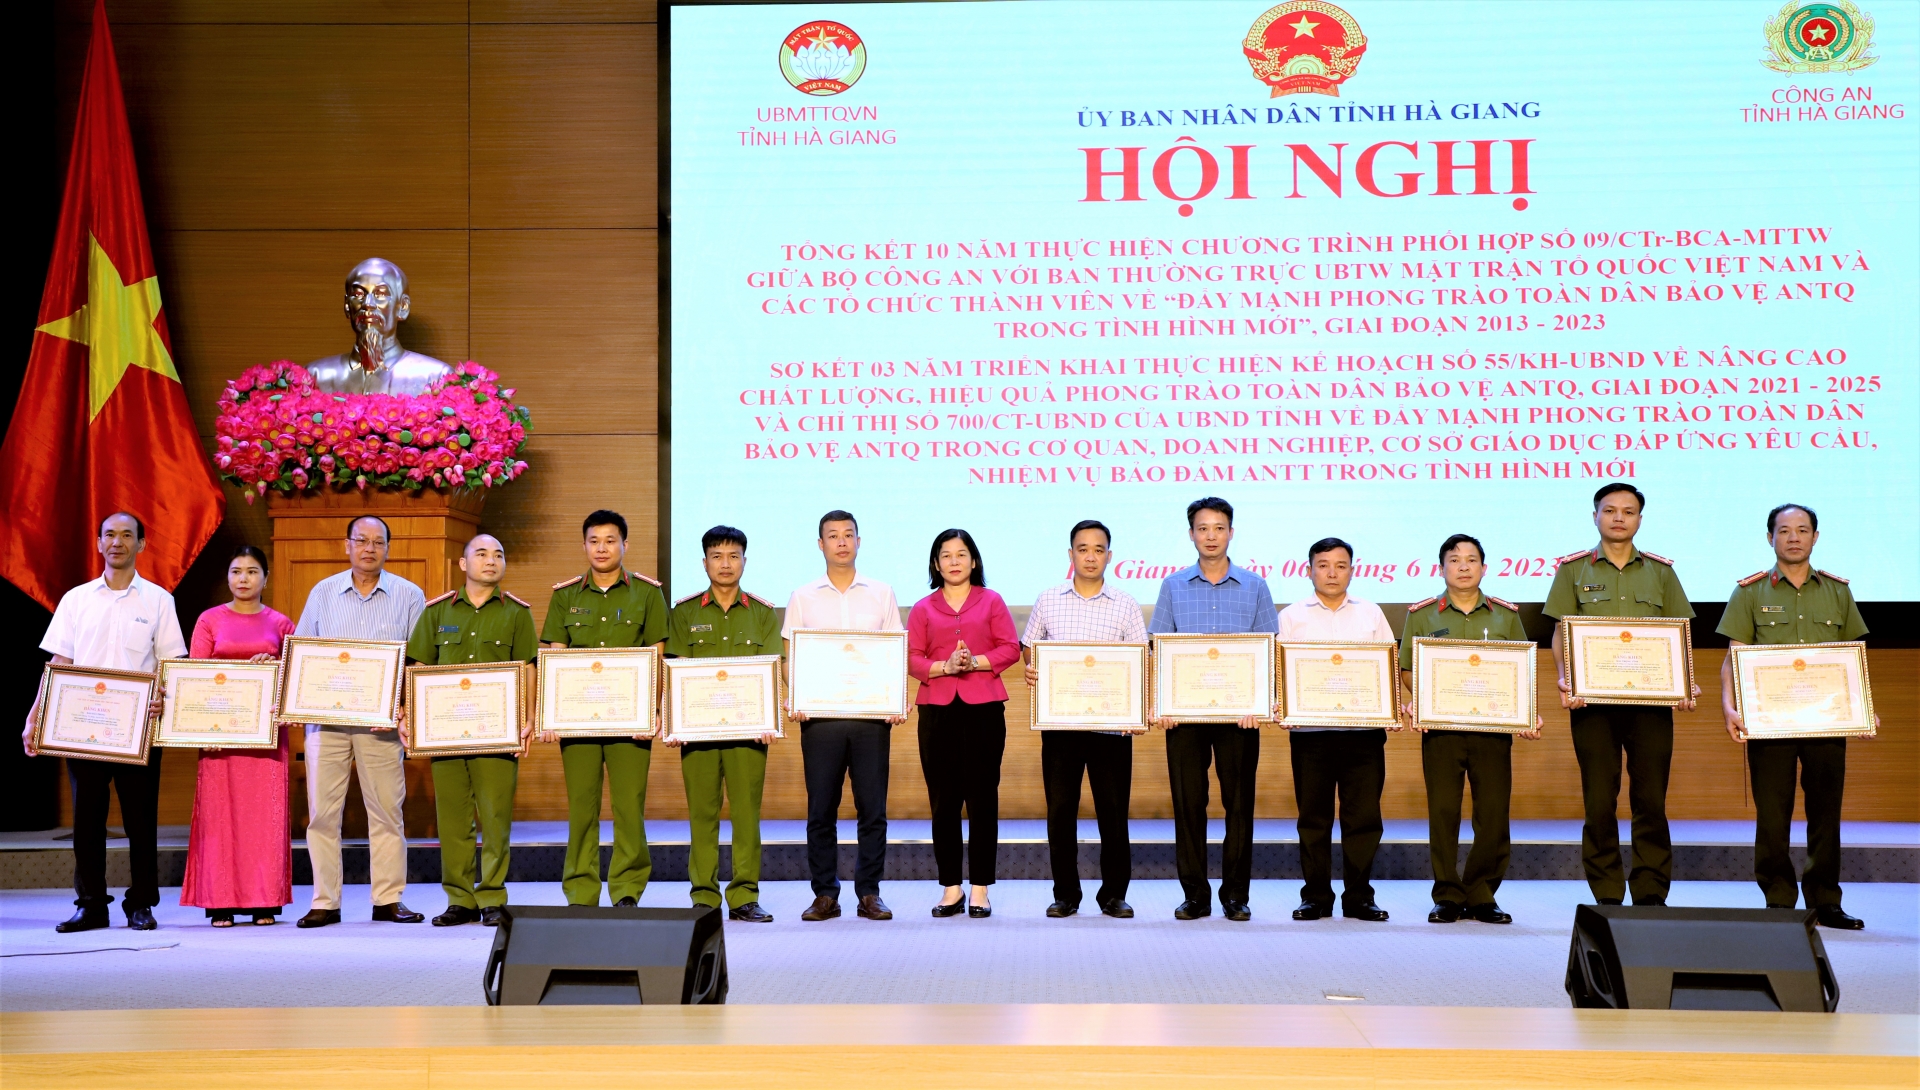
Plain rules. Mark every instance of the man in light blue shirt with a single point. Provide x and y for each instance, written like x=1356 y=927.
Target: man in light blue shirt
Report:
x=1214 y=595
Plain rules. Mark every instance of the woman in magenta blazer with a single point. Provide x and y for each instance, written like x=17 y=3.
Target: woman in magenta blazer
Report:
x=959 y=639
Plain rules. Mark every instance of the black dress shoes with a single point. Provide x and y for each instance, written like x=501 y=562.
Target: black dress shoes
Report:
x=320 y=917
x=494 y=916
x=1836 y=917
x=1060 y=910
x=454 y=916
x=1444 y=912
x=1608 y=901
x=956 y=908
x=822 y=908
x=627 y=902
x=141 y=919
x=979 y=912
x=751 y=912
x=1370 y=912
x=1488 y=913
x=1119 y=910
x=397 y=912
x=1193 y=910
x=873 y=908
x=1310 y=911
x=1650 y=903
x=83 y=919
x=1237 y=911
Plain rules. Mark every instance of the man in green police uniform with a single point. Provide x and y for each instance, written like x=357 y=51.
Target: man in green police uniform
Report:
x=723 y=621
x=1793 y=603
x=477 y=623
x=1615 y=579
x=609 y=606
x=1451 y=758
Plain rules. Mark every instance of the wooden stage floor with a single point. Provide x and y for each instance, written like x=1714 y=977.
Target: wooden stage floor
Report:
x=782 y=1047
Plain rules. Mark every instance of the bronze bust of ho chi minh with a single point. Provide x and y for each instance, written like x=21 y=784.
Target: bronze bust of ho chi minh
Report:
x=376 y=304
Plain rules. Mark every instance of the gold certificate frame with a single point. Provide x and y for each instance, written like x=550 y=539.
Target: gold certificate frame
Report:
x=1484 y=685
x=228 y=703
x=340 y=683
x=1339 y=684
x=1803 y=690
x=724 y=699
x=845 y=674
x=1628 y=660
x=1090 y=686
x=92 y=713
x=1212 y=678
x=466 y=710
x=598 y=692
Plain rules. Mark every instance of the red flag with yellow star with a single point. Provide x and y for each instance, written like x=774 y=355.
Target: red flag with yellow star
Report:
x=102 y=423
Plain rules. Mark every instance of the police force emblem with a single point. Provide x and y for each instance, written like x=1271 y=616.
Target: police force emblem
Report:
x=1824 y=37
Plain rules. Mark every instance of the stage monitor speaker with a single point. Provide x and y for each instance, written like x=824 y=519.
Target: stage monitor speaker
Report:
x=1719 y=959
x=579 y=955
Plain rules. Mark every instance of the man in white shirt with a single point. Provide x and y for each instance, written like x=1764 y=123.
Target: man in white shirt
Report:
x=835 y=750
x=1349 y=764
x=1085 y=609
x=116 y=622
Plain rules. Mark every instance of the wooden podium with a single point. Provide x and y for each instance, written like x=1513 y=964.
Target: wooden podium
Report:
x=430 y=531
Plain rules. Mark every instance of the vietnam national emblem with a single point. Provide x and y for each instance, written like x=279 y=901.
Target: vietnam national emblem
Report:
x=1822 y=37
x=1304 y=46
x=822 y=57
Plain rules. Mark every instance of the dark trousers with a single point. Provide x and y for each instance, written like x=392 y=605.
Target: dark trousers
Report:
x=1822 y=765
x=1107 y=760
x=1601 y=732
x=139 y=788
x=1351 y=766
x=960 y=749
x=833 y=751
x=1235 y=753
x=1449 y=759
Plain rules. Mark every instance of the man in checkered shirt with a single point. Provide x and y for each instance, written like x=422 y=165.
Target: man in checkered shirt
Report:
x=1085 y=609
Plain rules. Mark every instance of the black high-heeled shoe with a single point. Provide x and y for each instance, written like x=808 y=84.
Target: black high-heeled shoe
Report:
x=943 y=911
x=979 y=912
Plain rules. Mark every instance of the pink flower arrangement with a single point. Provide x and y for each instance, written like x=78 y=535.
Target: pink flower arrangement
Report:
x=276 y=431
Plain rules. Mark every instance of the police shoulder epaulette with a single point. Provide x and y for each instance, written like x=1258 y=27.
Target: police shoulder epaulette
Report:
x=568 y=582
x=441 y=598
x=759 y=599
x=1836 y=578
x=1571 y=556
x=512 y=597
x=688 y=598
x=643 y=576
x=1503 y=603
x=1752 y=579
x=1422 y=604
x=1656 y=556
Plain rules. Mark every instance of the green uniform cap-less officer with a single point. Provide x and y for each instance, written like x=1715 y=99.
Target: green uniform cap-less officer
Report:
x=631 y=612
x=1450 y=759
x=700 y=628
x=452 y=631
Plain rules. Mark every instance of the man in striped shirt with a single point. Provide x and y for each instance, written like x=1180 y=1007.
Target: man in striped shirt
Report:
x=1084 y=609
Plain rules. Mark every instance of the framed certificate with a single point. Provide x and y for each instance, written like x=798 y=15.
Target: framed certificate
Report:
x=1803 y=690
x=340 y=683
x=1089 y=686
x=1628 y=660
x=465 y=710
x=1212 y=678
x=598 y=692
x=218 y=702
x=724 y=700
x=1474 y=684
x=100 y=715
x=836 y=674
x=1333 y=683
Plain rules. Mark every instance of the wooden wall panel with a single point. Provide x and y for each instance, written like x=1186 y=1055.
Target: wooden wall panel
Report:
x=563 y=11
x=564 y=126
x=129 y=12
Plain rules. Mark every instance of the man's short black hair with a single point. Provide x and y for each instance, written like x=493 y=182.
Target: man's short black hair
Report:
x=1773 y=516
x=723 y=535
x=1327 y=545
x=139 y=528
x=604 y=517
x=1447 y=546
x=1619 y=486
x=1209 y=503
x=837 y=515
x=1089 y=524
x=386 y=532
x=979 y=576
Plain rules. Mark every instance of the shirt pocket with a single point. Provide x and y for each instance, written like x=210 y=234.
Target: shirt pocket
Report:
x=1650 y=603
x=137 y=634
x=448 y=639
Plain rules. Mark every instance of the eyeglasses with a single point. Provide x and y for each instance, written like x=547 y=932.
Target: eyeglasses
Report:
x=367 y=542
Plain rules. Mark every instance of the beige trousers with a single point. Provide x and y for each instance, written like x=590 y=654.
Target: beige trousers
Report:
x=331 y=753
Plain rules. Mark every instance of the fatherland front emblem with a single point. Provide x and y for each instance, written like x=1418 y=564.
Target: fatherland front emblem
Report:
x=822 y=57
x=1819 y=38
x=1304 y=46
